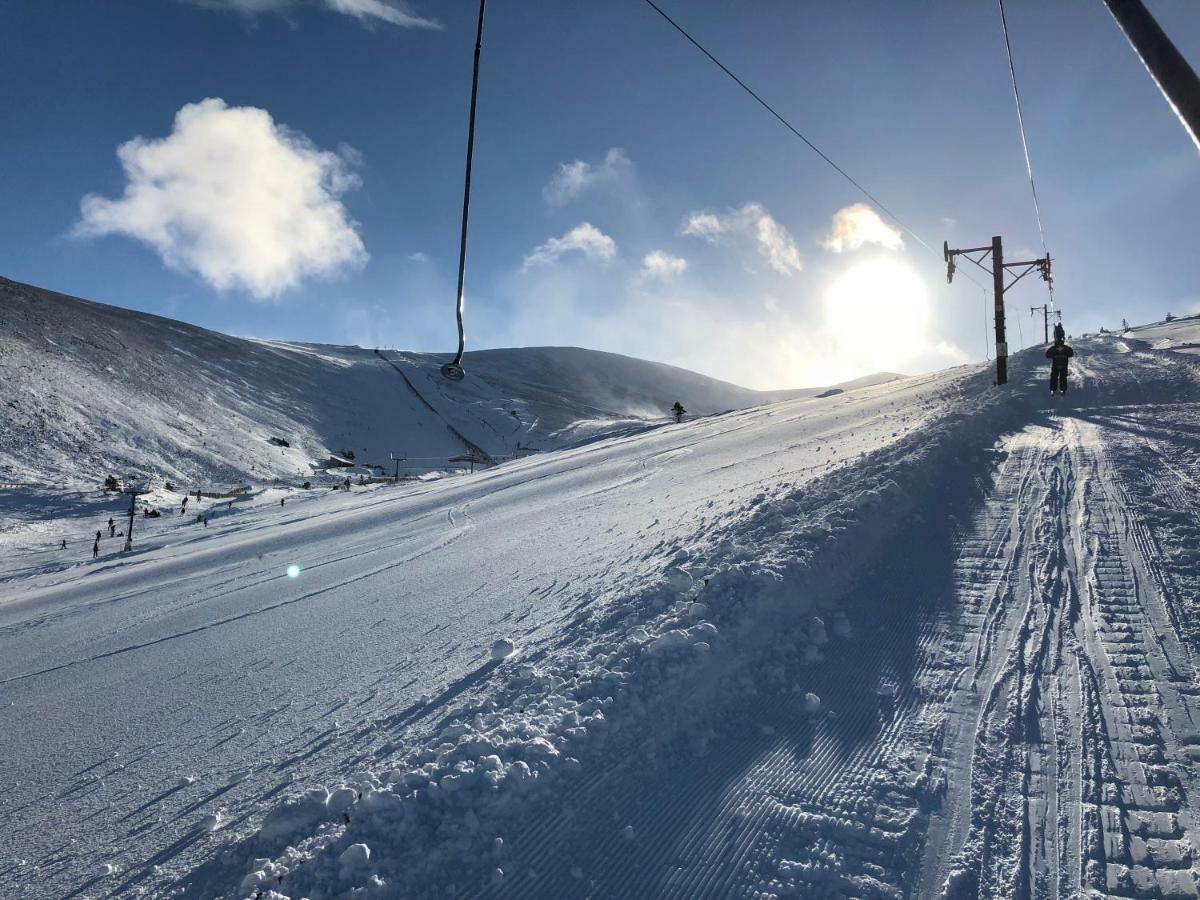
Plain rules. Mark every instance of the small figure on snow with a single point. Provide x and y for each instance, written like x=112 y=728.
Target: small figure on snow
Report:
x=1059 y=355
x=96 y=549
x=183 y=508
x=678 y=411
x=281 y=499
x=97 y=537
x=64 y=544
x=112 y=527
x=1060 y=333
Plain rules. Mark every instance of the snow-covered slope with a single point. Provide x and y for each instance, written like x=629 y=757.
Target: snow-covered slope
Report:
x=92 y=390
x=1180 y=334
x=926 y=636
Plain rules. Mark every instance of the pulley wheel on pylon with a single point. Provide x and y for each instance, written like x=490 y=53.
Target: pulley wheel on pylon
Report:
x=453 y=371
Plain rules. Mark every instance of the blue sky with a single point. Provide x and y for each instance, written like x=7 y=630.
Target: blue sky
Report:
x=298 y=174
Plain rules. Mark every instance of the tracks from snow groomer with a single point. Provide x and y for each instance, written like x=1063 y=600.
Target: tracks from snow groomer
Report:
x=1079 y=775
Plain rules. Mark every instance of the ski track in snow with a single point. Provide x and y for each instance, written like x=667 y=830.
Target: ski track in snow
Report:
x=992 y=594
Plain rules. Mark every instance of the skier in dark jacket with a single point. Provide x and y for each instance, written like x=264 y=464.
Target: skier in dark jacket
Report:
x=1059 y=354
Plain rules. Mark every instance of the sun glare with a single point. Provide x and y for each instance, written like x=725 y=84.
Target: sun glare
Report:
x=878 y=311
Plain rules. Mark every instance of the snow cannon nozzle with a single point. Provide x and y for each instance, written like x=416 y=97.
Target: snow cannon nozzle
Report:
x=454 y=371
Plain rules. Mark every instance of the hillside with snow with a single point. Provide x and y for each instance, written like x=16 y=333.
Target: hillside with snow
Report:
x=922 y=638
x=94 y=390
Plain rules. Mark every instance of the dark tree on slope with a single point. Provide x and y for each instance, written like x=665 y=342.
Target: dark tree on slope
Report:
x=678 y=411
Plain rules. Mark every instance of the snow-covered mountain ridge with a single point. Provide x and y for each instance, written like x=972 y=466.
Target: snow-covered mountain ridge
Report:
x=92 y=390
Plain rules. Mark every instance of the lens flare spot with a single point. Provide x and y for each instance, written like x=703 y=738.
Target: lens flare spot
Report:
x=293 y=571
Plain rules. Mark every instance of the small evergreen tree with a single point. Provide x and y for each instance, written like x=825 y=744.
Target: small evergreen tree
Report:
x=678 y=411
x=1124 y=325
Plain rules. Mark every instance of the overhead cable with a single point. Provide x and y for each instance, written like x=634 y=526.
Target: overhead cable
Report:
x=1012 y=69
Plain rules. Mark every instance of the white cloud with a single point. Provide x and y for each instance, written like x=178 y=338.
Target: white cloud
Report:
x=394 y=12
x=752 y=221
x=574 y=178
x=419 y=256
x=658 y=264
x=859 y=224
x=584 y=238
x=234 y=197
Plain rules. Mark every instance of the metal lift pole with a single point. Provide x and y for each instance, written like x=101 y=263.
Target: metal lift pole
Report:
x=1166 y=65
x=978 y=255
x=998 y=290
x=454 y=370
x=1045 y=308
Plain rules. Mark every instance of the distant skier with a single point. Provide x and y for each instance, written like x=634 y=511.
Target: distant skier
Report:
x=96 y=549
x=112 y=527
x=64 y=544
x=1060 y=333
x=97 y=537
x=183 y=509
x=281 y=499
x=1059 y=355
x=678 y=411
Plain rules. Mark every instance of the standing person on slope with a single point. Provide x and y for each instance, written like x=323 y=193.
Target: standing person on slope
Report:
x=1059 y=354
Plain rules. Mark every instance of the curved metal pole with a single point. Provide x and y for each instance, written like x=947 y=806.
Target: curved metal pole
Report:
x=454 y=370
x=1166 y=65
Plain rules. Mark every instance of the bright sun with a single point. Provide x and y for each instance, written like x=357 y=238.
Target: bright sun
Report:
x=878 y=311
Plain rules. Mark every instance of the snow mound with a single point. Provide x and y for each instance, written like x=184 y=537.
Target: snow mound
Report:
x=503 y=648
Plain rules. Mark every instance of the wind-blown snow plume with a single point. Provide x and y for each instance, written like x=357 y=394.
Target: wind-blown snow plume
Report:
x=859 y=224
x=584 y=238
x=752 y=221
x=575 y=178
x=236 y=198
